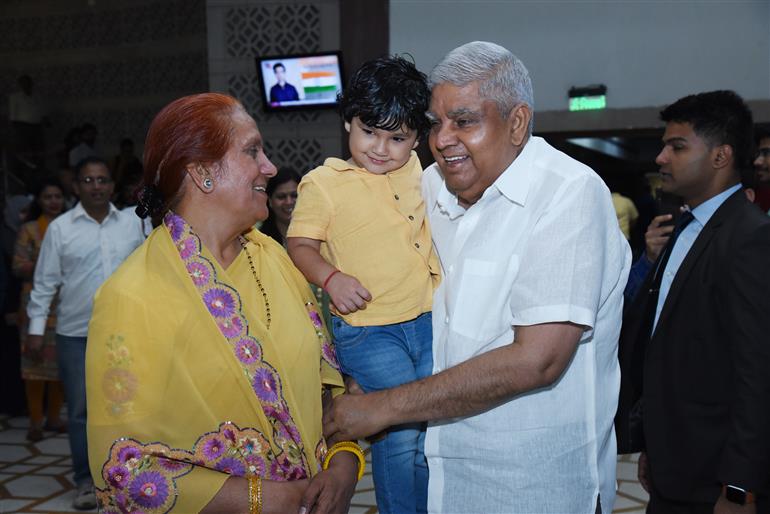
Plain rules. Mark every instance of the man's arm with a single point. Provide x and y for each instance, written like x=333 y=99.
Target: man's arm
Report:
x=47 y=279
x=536 y=359
x=745 y=458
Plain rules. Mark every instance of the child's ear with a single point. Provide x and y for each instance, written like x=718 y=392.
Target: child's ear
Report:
x=347 y=126
x=416 y=142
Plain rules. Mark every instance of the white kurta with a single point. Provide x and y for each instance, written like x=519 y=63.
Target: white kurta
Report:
x=541 y=245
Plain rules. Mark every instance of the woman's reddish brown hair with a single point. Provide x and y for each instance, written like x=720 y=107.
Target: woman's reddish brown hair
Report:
x=191 y=129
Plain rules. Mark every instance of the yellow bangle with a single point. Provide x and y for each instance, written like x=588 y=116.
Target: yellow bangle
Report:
x=255 y=494
x=347 y=446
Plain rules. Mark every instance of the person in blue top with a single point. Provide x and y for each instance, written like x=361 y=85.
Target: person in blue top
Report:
x=282 y=91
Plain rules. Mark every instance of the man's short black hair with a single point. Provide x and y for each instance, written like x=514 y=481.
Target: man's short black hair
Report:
x=387 y=93
x=720 y=118
x=278 y=65
x=90 y=160
x=761 y=133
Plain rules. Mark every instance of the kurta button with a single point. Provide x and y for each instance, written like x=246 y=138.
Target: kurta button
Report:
x=411 y=218
x=417 y=245
x=395 y=196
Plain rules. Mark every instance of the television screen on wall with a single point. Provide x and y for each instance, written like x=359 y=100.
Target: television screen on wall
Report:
x=307 y=81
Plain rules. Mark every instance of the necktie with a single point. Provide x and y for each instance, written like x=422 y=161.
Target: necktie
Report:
x=684 y=219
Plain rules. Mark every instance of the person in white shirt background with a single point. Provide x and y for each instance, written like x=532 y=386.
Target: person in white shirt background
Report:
x=527 y=318
x=87 y=146
x=27 y=116
x=80 y=250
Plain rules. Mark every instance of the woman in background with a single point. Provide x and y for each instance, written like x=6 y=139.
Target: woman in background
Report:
x=281 y=197
x=38 y=363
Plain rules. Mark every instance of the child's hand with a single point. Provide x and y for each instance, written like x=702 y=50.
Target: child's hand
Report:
x=347 y=293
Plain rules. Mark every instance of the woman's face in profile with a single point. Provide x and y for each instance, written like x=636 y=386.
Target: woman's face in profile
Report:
x=245 y=170
x=283 y=200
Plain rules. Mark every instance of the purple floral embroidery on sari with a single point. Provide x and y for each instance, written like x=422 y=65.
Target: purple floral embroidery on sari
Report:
x=224 y=304
x=328 y=353
x=219 y=302
x=265 y=385
x=117 y=476
x=176 y=226
x=198 y=273
x=149 y=489
x=143 y=477
x=213 y=448
x=247 y=351
x=231 y=466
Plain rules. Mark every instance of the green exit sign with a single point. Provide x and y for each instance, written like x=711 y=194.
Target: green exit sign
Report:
x=587 y=103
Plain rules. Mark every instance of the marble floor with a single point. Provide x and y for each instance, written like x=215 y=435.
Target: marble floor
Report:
x=37 y=477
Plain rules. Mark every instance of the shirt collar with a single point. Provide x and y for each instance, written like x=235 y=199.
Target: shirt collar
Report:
x=513 y=182
x=340 y=165
x=704 y=211
x=79 y=211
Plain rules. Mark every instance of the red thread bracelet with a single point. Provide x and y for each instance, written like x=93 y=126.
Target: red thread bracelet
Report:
x=329 y=278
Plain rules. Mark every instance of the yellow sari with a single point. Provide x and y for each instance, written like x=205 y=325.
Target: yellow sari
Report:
x=186 y=382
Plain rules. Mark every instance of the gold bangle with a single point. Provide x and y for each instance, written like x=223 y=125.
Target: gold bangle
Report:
x=347 y=446
x=255 y=494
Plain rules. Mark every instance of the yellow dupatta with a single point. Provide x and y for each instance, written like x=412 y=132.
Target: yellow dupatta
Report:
x=187 y=385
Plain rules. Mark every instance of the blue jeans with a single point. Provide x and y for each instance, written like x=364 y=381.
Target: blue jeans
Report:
x=381 y=357
x=71 y=354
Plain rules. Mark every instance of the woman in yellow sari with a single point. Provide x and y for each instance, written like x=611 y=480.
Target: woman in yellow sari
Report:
x=207 y=359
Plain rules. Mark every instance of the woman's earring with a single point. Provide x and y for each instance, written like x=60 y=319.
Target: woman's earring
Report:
x=207 y=183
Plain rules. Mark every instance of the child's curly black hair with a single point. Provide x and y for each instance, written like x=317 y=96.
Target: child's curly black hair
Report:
x=387 y=93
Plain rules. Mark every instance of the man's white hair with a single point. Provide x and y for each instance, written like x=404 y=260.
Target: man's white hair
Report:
x=502 y=77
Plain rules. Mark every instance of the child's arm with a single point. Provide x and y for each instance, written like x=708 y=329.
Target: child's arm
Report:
x=346 y=292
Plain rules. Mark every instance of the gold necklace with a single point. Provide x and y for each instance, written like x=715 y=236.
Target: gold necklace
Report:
x=242 y=240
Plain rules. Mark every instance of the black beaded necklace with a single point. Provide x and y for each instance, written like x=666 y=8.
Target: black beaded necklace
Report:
x=261 y=288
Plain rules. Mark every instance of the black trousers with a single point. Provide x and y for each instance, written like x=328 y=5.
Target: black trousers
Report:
x=660 y=505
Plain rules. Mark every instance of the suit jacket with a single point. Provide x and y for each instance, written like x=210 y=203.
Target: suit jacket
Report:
x=703 y=377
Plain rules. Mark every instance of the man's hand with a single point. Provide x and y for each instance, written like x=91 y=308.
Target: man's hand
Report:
x=347 y=293
x=32 y=345
x=643 y=472
x=657 y=236
x=330 y=490
x=355 y=416
x=727 y=507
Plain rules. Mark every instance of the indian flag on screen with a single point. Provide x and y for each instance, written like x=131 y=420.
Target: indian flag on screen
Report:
x=318 y=81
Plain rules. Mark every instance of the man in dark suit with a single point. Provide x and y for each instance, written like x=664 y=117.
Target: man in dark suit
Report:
x=695 y=345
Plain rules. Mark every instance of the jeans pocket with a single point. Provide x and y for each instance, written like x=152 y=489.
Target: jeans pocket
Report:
x=346 y=336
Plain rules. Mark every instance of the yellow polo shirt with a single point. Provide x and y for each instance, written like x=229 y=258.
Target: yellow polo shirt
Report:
x=374 y=228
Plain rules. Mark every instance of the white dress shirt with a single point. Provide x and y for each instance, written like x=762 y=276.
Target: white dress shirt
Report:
x=77 y=255
x=542 y=245
x=701 y=215
x=25 y=108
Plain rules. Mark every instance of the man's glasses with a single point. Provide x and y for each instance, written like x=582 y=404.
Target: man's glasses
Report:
x=764 y=153
x=99 y=180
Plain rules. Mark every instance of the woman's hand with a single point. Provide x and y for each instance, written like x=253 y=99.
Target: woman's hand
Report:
x=330 y=490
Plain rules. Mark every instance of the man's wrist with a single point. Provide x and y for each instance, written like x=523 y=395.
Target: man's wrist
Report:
x=738 y=495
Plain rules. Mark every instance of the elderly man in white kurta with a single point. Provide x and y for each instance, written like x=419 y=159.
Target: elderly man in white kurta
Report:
x=527 y=318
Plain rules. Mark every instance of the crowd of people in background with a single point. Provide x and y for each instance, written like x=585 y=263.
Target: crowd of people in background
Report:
x=507 y=366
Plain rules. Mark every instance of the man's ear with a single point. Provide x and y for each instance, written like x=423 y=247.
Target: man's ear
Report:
x=722 y=156
x=518 y=121
x=201 y=177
